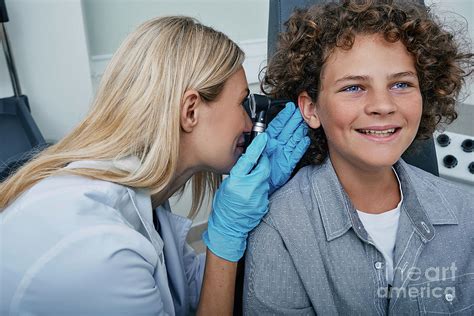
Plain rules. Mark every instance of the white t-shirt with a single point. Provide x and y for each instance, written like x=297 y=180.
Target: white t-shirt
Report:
x=382 y=228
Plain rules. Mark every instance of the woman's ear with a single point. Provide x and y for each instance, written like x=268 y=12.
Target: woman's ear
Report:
x=308 y=110
x=190 y=110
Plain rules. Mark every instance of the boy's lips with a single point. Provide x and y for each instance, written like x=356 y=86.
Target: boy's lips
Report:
x=379 y=127
x=379 y=133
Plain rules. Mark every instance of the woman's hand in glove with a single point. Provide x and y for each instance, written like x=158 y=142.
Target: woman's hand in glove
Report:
x=287 y=142
x=240 y=203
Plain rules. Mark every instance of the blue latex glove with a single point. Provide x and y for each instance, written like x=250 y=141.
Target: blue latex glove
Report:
x=240 y=203
x=286 y=144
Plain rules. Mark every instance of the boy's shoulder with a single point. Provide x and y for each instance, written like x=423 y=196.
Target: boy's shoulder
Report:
x=443 y=186
x=298 y=184
x=294 y=198
x=429 y=188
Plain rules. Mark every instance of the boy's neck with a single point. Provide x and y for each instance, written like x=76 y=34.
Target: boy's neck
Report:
x=375 y=191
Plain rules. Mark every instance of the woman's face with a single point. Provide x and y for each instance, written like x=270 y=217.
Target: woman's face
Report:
x=225 y=123
x=370 y=103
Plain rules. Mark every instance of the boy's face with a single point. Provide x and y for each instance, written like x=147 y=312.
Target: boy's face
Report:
x=369 y=103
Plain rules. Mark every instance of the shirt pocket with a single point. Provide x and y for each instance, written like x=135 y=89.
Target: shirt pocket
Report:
x=447 y=297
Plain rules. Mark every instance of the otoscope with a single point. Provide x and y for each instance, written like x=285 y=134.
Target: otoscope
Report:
x=261 y=110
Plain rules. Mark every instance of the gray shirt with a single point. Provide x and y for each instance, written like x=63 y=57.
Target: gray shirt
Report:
x=312 y=255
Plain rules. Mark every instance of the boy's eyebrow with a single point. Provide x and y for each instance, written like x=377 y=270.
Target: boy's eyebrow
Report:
x=402 y=74
x=366 y=78
x=352 y=78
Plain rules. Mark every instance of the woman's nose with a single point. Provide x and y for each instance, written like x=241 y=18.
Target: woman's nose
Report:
x=248 y=123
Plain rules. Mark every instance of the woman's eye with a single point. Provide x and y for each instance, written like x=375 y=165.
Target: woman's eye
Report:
x=352 y=89
x=401 y=85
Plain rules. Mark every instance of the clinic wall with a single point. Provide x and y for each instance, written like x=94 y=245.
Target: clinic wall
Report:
x=50 y=50
x=109 y=21
x=458 y=14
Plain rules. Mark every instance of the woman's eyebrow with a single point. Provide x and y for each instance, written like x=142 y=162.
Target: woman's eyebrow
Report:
x=247 y=93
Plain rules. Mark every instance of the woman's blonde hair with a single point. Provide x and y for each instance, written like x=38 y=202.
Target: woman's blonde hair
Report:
x=137 y=106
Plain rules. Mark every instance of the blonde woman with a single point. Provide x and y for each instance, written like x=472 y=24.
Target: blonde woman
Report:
x=86 y=228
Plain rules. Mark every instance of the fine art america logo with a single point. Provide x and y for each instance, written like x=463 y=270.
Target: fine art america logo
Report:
x=426 y=284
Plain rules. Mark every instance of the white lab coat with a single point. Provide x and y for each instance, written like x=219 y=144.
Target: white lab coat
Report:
x=76 y=246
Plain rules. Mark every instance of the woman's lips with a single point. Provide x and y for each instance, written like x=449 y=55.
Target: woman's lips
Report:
x=240 y=147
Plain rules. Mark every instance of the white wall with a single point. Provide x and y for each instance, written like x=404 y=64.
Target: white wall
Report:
x=50 y=49
x=457 y=14
x=109 y=21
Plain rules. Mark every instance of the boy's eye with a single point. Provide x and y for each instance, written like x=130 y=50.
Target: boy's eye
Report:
x=401 y=85
x=353 y=88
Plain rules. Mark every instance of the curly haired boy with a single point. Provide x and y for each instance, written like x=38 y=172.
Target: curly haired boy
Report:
x=359 y=231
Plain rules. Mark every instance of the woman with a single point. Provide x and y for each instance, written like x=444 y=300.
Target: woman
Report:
x=86 y=226
x=358 y=231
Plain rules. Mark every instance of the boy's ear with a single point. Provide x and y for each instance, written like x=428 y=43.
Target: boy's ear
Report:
x=190 y=110
x=308 y=110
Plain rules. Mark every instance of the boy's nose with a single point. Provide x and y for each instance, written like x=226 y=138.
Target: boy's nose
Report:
x=381 y=103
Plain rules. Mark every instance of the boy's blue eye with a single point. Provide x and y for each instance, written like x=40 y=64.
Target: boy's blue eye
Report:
x=352 y=89
x=401 y=85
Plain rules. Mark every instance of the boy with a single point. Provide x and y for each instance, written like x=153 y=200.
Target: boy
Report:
x=359 y=231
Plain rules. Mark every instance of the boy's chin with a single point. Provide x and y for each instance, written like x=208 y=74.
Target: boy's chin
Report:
x=383 y=162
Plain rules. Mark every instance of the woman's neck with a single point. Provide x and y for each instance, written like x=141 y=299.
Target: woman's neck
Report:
x=186 y=167
x=371 y=191
x=181 y=176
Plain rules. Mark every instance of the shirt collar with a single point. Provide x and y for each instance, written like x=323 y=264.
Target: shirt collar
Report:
x=422 y=201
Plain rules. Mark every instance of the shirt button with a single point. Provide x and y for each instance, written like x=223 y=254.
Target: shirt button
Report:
x=378 y=265
x=449 y=297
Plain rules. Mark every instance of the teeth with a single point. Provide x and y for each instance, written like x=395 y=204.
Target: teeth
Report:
x=380 y=133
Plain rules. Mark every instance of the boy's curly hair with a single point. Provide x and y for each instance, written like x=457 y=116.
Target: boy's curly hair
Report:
x=312 y=35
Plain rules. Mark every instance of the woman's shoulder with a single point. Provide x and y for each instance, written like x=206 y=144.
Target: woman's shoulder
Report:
x=66 y=196
x=74 y=187
x=103 y=265
x=72 y=210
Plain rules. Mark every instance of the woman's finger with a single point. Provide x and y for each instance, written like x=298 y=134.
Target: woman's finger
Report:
x=279 y=122
x=248 y=160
